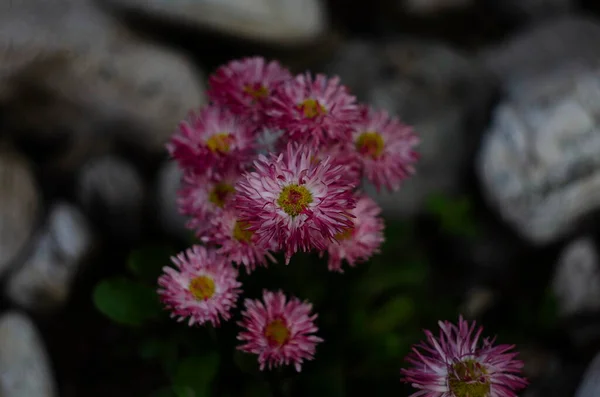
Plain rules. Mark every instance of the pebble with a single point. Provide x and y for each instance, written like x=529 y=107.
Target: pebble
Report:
x=539 y=162
x=278 y=22
x=25 y=369
x=113 y=194
x=43 y=282
x=20 y=206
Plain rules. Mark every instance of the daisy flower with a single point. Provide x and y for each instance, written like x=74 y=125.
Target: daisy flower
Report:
x=294 y=203
x=279 y=330
x=359 y=242
x=385 y=147
x=211 y=138
x=236 y=242
x=203 y=195
x=202 y=288
x=459 y=364
x=316 y=111
x=245 y=86
x=341 y=155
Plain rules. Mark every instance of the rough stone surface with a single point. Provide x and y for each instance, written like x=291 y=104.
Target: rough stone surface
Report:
x=533 y=9
x=24 y=364
x=577 y=279
x=590 y=385
x=568 y=41
x=112 y=192
x=20 y=205
x=440 y=92
x=93 y=80
x=426 y=7
x=43 y=282
x=169 y=218
x=274 y=21
x=539 y=162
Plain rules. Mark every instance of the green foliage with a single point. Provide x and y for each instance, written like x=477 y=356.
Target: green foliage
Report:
x=455 y=214
x=127 y=302
x=146 y=263
x=194 y=376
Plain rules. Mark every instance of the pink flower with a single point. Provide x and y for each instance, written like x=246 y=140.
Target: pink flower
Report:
x=236 y=242
x=201 y=196
x=293 y=202
x=280 y=332
x=211 y=137
x=203 y=287
x=358 y=243
x=245 y=85
x=341 y=155
x=314 y=111
x=458 y=364
x=386 y=148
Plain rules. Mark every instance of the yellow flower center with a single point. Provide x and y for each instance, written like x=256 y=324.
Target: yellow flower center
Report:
x=370 y=144
x=241 y=232
x=219 y=143
x=220 y=193
x=202 y=287
x=294 y=199
x=311 y=108
x=469 y=379
x=277 y=333
x=256 y=91
x=346 y=234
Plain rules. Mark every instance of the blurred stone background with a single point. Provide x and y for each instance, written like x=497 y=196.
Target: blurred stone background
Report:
x=505 y=95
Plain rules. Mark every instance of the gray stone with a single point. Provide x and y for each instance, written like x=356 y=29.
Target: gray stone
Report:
x=590 y=385
x=533 y=9
x=20 y=206
x=24 y=364
x=112 y=192
x=43 y=282
x=95 y=79
x=577 y=278
x=432 y=7
x=564 y=42
x=169 y=217
x=440 y=92
x=272 y=21
x=539 y=162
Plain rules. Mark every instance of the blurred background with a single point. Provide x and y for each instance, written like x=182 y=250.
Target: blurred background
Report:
x=500 y=223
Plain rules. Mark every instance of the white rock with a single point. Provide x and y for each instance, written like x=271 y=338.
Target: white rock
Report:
x=168 y=182
x=24 y=365
x=539 y=162
x=431 y=87
x=577 y=278
x=590 y=385
x=425 y=7
x=20 y=204
x=568 y=41
x=272 y=21
x=45 y=279
x=99 y=77
x=113 y=194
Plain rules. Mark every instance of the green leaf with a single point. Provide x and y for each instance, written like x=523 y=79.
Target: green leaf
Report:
x=404 y=274
x=455 y=214
x=393 y=313
x=196 y=374
x=146 y=263
x=184 y=391
x=126 y=301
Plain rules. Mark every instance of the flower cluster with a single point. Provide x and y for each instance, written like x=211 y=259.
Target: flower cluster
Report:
x=273 y=164
x=459 y=364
